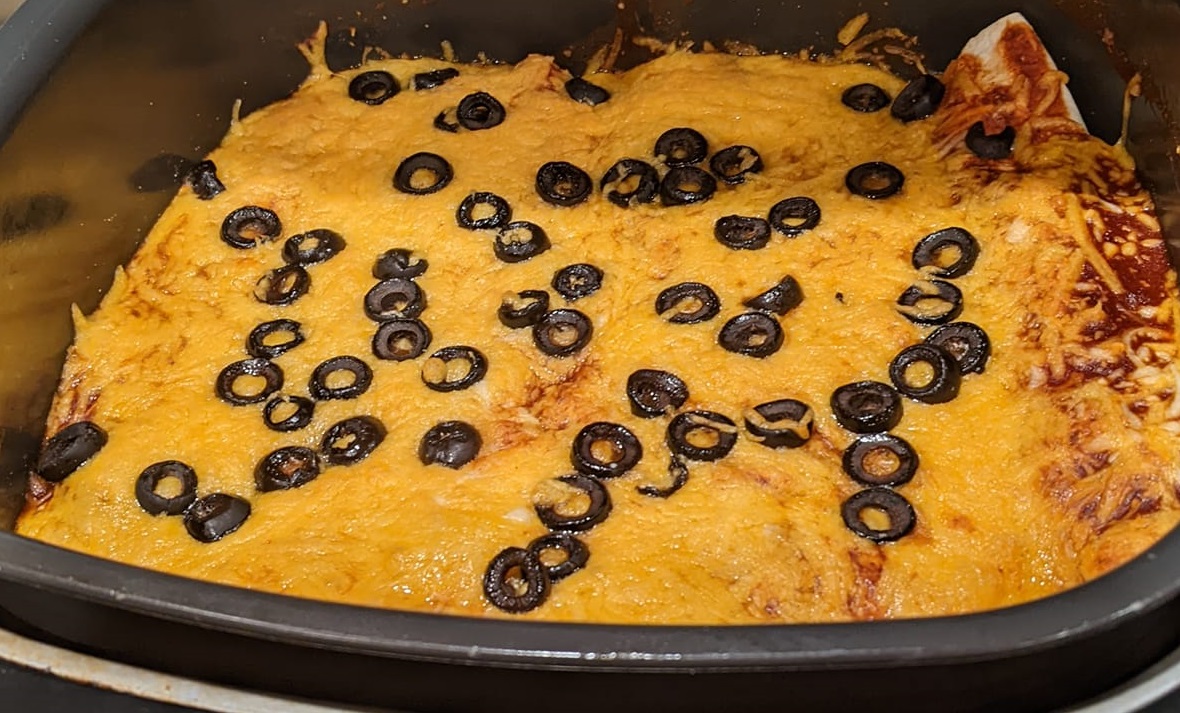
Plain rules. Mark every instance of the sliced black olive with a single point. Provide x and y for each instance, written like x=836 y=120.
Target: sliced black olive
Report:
x=880 y=459
x=677 y=473
x=483 y=211
x=395 y=298
x=992 y=147
x=313 y=247
x=582 y=91
x=202 y=178
x=282 y=285
x=214 y=516
x=733 y=164
x=875 y=180
x=686 y=184
x=326 y=385
x=865 y=98
x=160 y=173
x=785 y=423
x=352 y=440
x=653 y=392
x=754 y=334
x=794 y=216
x=373 y=88
x=681 y=147
x=516 y=581
x=933 y=251
x=69 y=449
x=598 y=507
x=936 y=383
x=866 y=407
x=966 y=342
x=519 y=241
x=227 y=386
x=433 y=78
x=605 y=450
x=288 y=413
x=919 y=99
x=470 y=367
x=576 y=281
x=740 y=232
x=286 y=468
x=523 y=309
x=445 y=121
x=630 y=182
x=149 y=481
x=401 y=340
x=422 y=174
x=562 y=332
x=702 y=435
x=32 y=214
x=398 y=263
x=453 y=444
x=249 y=226
x=931 y=302
x=892 y=505
x=688 y=303
x=562 y=183
x=479 y=111
x=574 y=554
x=780 y=299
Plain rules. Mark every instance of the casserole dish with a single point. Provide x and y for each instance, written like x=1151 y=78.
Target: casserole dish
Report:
x=140 y=79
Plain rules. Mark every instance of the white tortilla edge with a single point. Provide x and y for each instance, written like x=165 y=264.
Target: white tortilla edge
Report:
x=985 y=46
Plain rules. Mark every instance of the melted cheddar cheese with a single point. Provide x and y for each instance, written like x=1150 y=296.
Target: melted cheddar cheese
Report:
x=1053 y=466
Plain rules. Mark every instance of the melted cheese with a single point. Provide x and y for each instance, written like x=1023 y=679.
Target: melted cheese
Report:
x=1050 y=468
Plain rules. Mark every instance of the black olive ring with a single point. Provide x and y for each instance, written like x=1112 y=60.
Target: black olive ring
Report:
x=69 y=449
x=155 y=504
x=324 y=245
x=865 y=98
x=439 y=169
x=582 y=91
x=897 y=508
x=227 y=380
x=794 y=216
x=653 y=392
x=395 y=298
x=966 y=342
x=202 y=178
x=723 y=429
x=741 y=232
x=523 y=309
x=452 y=444
x=373 y=88
x=479 y=111
x=362 y=378
x=785 y=423
x=929 y=249
x=300 y=417
x=945 y=377
x=948 y=297
x=524 y=567
x=519 y=241
x=683 y=185
x=875 y=180
x=670 y=303
x=681 y=147
x=677 y=472
x=282 y=285
x=617 y=180
x=434 y=78
x=625 y=450
x=904 y=461
x=352 y=440
x=992 y=147
x=733 y=164
x=401 y=340
x=501 y=212
x=552 y=329
x=596 y=510
x=477 y=368
x=398 y=262
x=754 y=334
x=867 y=407
x=286 y=468
x=561 y=183
x=249 y=226
x=258 y=345
x=575 y=554
x=576 y=281
x=918 y=99
x=780 y=299
x=214 y=516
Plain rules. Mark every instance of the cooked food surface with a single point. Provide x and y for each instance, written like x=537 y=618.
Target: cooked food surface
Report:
x=717 y=339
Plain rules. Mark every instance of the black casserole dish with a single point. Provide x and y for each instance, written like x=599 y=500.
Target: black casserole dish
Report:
x=92 y=88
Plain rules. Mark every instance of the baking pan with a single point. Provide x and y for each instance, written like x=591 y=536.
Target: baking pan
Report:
x=90 y=89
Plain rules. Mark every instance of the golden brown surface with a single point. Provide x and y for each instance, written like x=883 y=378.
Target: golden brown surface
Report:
x=1055 y=465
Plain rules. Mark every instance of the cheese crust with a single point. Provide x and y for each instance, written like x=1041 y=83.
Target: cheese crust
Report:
x=1055 y=465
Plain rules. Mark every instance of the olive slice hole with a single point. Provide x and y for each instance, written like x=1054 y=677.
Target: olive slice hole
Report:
x=876 y=518
x=249 y=386
x=340 y=379
x=881 y=462
x=606 y=451
x=919 y=374
x=703 y=437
